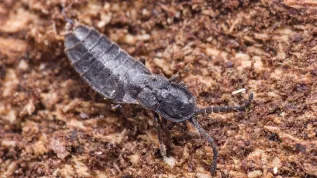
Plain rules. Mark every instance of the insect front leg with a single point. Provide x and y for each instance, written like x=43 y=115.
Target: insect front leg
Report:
x=159 y=134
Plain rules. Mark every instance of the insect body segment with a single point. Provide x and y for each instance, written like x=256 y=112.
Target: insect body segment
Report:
x=102 y=64
x=116 y=75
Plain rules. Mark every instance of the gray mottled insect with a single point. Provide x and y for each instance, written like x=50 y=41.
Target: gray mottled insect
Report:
x=116 y=75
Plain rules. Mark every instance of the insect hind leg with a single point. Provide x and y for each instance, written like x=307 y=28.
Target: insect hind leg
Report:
x=70 y=22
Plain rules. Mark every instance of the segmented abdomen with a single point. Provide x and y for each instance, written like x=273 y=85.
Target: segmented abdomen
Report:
x=107 y=68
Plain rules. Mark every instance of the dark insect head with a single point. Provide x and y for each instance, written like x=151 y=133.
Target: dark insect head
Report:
x=176 y=103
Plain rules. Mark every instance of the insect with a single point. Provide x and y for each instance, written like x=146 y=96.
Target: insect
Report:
x=115 y=75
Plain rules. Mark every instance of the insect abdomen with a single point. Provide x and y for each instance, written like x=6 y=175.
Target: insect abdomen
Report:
x=102 y=63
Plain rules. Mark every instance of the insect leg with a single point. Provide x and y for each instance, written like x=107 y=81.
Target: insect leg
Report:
x=142 y=60
x=167 y=142
x=210 y=141
x=115 y=107
x=216 y=109
x=159 y=134
x=174 y=78
x=64 y=9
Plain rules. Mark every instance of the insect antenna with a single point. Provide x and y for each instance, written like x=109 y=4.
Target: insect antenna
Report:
x=217 y=109
x=211 y=142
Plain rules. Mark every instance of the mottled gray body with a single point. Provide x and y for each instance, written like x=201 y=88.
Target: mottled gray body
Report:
x=107 y=68
x=116 y=75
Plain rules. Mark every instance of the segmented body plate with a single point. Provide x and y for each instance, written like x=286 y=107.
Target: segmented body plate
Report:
x=108 y=69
